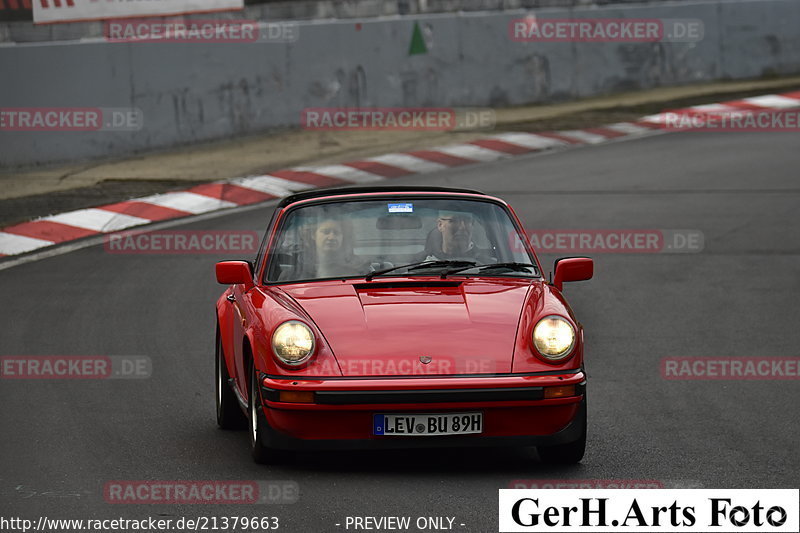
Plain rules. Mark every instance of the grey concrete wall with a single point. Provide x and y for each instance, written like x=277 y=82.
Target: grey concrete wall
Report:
x=197 y=92
x=20 y=29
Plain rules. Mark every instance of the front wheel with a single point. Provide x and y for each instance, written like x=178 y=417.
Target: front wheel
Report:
x=229 y=414
x=569 y=453
x=261 y=454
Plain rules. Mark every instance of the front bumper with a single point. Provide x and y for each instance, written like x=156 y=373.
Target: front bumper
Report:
x=514 y=408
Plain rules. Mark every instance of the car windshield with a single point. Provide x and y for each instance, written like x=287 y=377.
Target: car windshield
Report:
x=412 y=236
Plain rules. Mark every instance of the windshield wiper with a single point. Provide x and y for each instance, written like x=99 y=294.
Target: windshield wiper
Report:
x=512 y=266
x=419 y=265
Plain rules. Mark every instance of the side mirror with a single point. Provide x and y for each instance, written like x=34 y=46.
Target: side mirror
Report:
x=235 y=273
x=572 y=269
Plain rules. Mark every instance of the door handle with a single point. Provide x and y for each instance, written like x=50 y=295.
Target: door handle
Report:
x=232 y=298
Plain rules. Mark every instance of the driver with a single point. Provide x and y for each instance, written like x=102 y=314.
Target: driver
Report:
x=452 y=239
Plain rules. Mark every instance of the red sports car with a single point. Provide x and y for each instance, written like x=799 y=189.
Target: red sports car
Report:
x=399 y=317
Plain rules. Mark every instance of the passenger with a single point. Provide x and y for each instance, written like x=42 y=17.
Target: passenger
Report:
x=326 y=251
x=333 y=249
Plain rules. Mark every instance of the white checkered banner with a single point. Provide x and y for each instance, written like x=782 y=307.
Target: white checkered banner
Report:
x=49 y=11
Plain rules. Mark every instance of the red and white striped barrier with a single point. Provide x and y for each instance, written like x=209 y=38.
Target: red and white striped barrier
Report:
x=56 y=229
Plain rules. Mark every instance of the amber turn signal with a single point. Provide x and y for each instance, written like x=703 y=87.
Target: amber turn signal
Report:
x=559 y=392
x=296 y=396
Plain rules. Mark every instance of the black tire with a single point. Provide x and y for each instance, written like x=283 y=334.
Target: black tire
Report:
x=229 y=414
x=569 y=453
x=257 y=423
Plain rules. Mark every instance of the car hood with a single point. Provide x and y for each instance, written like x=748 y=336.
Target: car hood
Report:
x=417 y=328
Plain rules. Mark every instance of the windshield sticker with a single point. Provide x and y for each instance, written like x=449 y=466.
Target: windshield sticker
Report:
x=401 y=208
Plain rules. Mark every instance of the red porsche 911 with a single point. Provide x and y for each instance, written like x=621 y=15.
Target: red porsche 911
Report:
x=395 y=318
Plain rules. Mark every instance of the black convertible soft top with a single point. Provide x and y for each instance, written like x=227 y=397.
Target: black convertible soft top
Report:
x=402 y=189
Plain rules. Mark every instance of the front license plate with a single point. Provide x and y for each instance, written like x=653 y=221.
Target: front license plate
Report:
x=421 y=425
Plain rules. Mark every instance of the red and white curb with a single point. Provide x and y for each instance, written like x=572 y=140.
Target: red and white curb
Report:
x=57 y=229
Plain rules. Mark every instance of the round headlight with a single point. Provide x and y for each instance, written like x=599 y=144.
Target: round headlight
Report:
x=293 y=342
x=554 y=337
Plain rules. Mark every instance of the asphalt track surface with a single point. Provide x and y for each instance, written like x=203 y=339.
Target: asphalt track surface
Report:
x=62 y=440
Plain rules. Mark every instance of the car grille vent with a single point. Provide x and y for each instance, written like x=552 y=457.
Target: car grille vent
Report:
x=406 y=285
